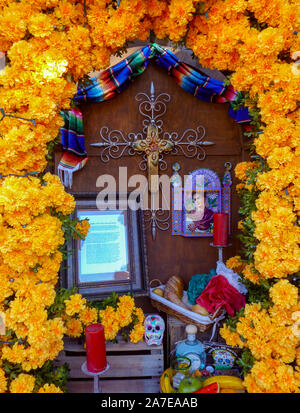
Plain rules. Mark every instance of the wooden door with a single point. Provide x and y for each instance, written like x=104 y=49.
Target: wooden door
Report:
x=167 y=255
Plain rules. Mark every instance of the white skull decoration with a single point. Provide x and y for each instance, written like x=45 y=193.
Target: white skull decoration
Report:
x=154 y=329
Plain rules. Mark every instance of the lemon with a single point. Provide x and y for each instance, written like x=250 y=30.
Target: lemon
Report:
x=159 y=291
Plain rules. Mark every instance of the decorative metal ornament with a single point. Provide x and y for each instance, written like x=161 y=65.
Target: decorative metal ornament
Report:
x=175 y=178
x=157 y=218
x=114 y=144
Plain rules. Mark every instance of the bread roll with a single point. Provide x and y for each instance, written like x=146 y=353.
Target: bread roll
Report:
x=174 y=290
x=199 y=309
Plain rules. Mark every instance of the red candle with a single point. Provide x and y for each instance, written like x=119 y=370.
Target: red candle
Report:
x=220 y=229
x=95 y=348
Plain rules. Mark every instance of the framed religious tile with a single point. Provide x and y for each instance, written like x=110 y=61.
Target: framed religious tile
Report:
x=113 y=255
x=193 y=208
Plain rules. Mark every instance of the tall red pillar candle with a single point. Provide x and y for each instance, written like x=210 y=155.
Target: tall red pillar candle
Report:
x=95 y=348
x=220 y=229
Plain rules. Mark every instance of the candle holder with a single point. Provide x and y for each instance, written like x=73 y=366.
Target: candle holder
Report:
x=95 y=375
x=220 y=250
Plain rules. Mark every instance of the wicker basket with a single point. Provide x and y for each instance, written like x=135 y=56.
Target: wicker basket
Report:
x=210 y=319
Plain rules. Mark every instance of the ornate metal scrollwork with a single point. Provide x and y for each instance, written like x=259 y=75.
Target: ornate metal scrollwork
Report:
x=152 y=108
x=190 y=143
x=157 y=218
x=114 y=144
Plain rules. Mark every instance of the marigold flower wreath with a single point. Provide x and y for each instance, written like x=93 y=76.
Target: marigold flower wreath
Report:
x=49 y=46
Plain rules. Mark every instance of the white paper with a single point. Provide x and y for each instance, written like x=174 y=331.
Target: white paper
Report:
x=104 y=251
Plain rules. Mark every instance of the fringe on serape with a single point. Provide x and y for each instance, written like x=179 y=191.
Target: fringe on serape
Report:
x=72 y=139
x=67 y=166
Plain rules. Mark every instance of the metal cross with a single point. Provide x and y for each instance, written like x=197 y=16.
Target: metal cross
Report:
x=153 y=146
x=115 y=144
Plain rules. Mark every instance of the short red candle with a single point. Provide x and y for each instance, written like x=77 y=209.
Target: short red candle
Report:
x=220 y=229
x=95 y=348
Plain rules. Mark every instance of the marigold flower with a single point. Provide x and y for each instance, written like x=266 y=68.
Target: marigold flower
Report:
x=284 y=294
x=73 y=328
x=3 y=381
x=75 y=304
x=88 y=316
x=83 y=227
x=137 y=333
x=24 y=383
x=50 y=388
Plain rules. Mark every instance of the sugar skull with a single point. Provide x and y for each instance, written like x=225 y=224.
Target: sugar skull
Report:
x=223 y=358
x=154 y=329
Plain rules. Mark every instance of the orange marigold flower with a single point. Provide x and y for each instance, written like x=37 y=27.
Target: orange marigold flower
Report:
x=284 y=294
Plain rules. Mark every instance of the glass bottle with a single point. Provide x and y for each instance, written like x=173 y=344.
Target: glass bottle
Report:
x=192 y=349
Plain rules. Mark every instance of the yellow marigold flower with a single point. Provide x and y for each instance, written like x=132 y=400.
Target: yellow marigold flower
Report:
x=280 y=156
x=88 y=316
x=137 y=333
x=124 y=317
x=140 y=315
x=284 y=294
x=14 y=354
x=55 y=327
x=41 y=25
x=259 y=216
x=298 y=356
x=239 y=187
x=83 y=227
x=250 y=273
x=3 y=381
x=126 y=302
x=232 y=338
x=242 y=167
x=235 y=263
x=50 y=388
x=111 y=329
x=48 y=272
x=107 y=314
x=75 y=304
x=259 y=348
x=240 y=225
x=281 y=315
x=24 y=383
x=251 y=385
x=73 y=328
x=43 y=294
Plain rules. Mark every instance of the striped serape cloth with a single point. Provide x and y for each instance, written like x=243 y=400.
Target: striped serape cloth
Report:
x=72 y=139
x=117 y=78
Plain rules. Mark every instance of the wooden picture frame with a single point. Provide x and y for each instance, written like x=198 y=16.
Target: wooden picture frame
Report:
x=135 y=278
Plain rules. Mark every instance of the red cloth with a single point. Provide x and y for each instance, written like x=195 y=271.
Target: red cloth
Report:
x=219 y=292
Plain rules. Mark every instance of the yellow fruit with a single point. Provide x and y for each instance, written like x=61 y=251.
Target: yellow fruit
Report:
x=231 y=382
x=168 y=387
x=227 y=390
x=164 y=384
x=199 y=309
x=159 y=291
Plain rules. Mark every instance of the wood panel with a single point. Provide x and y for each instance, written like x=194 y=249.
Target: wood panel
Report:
x=167 y=255
x=133 y=367
x=71 y=345
x=120 y=366
x=116 y=386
